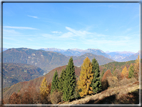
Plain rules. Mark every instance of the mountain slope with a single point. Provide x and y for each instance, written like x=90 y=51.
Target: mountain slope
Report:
x=17 y=72
x=118 y=56
x=46 y=60
x=125 y=94
x=131 y=57
x=101 y=59
x=37 y=81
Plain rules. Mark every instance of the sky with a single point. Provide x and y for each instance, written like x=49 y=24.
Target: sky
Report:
x=106 y=26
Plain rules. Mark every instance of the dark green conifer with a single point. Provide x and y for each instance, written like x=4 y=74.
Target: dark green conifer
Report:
x=69 y=82
x=131 y=71
x=54 y=85
x=96 y=82
x=61 y=80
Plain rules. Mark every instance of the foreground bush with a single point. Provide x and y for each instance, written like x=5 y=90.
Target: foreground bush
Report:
x=112 y=81
x=56 y=97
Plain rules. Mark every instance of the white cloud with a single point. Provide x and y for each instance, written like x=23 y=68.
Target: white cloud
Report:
x=56 y=32
x=78 y=33
x=33 y=16
x=5 y=31
x=16 y=27
x=66 y=35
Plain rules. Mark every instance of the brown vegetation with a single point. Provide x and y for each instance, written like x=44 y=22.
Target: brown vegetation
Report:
x=104 y=80
x=56 y=97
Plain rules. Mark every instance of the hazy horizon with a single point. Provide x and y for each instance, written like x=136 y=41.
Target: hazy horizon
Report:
x=78 y=49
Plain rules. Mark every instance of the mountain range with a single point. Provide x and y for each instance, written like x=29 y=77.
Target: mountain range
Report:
x=46 y=60
x=116 y=56
x=120 y=56
x=77 y=52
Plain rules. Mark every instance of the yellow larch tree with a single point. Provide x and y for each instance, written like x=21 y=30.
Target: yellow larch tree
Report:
x=85 y=78
x=44 y=89
x=125 y=72
x=136 y=68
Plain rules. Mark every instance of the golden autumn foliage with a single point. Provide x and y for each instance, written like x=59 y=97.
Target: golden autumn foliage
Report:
x=44 y=89
x=125 y=72
x=136 y=68
x=85 y=79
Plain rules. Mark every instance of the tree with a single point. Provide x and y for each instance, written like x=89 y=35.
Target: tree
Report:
x=44 y=89
x=96 y=83
x=125 y=72
x=131 y=71
x=54 y=85
x=85 y=78
x=104 y=80
x=61 y=80
x=136 y=68
x=69 y=81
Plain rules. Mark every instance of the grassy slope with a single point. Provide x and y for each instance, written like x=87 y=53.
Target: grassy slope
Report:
x=112 y=96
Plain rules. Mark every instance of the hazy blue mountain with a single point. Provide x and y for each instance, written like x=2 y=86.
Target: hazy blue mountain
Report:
x=77 y=52
x=101 y=59
x=118 y=56
x=131 y=57
x=3 y=49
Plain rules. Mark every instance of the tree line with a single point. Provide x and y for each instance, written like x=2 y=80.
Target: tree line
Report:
x=68 y=85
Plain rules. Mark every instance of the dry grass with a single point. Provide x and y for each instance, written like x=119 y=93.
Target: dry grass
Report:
x=111 y=95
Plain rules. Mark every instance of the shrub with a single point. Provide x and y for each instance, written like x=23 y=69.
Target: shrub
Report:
x=112 y=81
x=126 y=81
x=56 y=97
x=15 y=99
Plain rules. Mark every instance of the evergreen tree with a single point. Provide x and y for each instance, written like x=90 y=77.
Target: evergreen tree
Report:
x=85 y=78
x=96 y=82
x=69 y=82
x=44 y=89
x=61 y=80
x=54 y=85
x=131 y=71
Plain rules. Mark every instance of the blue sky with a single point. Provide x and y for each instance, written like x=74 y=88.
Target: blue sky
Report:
x=105 y=26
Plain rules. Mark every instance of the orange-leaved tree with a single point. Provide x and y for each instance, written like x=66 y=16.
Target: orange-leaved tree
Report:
x=125 y=72
x=85 y=78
